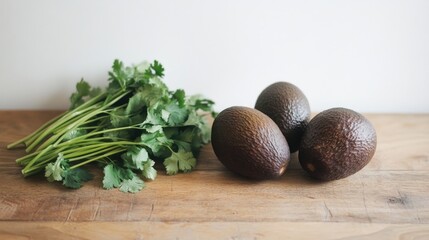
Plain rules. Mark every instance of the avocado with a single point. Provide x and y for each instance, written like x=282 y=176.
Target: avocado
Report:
x=287 y=105
x=249 y=143
x=337 y=143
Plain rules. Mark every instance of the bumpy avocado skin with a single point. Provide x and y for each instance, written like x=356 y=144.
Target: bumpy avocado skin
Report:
x=287 y=105
x=249 y=143
x=337 y=143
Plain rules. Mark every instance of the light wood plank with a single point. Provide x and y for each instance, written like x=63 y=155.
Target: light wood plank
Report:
x=211 y=230
x=403 y=142
x=382 y=197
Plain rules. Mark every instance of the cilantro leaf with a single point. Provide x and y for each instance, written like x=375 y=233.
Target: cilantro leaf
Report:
x=158 y=68
x=187 y=161
x=141 y=67
x=114 y=175
x=149 y=171
x=83 y=89
x=118 y=118
x=205 y=131
x=165 y=115
x=155 y=69
x=204 y=104
x=177 y=115
x=171 y=165
x=181 y=160
x=135 y=157
x=193 y=119
x=155 y=141
x=111 y=178
x=154 y=117
x=122 y=178
x=180 y=96
x=118 y=74
x=197 y=102
x=139 y=155
x=74 y=178
x=132 y=185
x=153 y=128
x=54 y=171
x=136 y=103
x=185 y=134
x=125 y=173
x=186 y=146
x=152 y=95
x=94 y=92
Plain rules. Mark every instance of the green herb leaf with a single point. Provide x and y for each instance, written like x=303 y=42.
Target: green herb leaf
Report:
x=136 y=103
x=177 y=115
x=132 y=185
x=95 y=92
x=181 y=160
x=154 y=117
x=112 y=178
x=74 y=178
x=135 y=157
x=152 y=95
x=187 y=160
x=118 y=74
x=83 y=89
x=118 y=118
x=204 y=104
x=155 y=69
x=54 y=171
x=171 y=165
x=155 y=141
x=149 y=171
x=124 y=178
x=180 y=96
x=125 y=173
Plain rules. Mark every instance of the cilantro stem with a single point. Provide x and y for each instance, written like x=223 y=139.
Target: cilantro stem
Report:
x=83 y=140
x=49 y=154
x=90 y=134
x=73 y=118
x=79 y=154
x=37 y=157
x=46 y=133
x=97 y=158
x=32 y=135
x=69 y=127
x=92 y=153
x=59 y=119
x=60 y=147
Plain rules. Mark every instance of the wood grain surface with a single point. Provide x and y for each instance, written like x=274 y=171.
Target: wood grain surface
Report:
x=388 y=199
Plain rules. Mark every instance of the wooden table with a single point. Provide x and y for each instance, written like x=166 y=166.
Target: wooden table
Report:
x=388 y=199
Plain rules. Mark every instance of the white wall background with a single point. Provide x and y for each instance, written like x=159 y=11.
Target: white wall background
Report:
x=371 y=56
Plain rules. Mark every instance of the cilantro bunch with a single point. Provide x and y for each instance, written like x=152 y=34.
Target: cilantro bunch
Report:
x=125 y=129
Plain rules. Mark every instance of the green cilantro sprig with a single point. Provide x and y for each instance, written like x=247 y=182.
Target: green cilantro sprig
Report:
x=126 y=128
